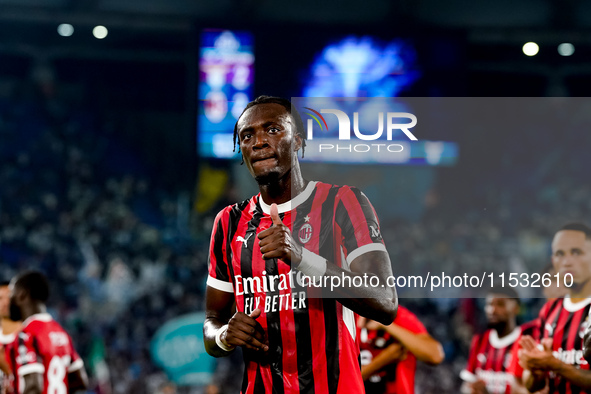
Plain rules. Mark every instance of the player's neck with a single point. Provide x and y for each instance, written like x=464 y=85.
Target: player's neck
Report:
x=284 y=188
x=30 y=310
x=580 y=292
x=505 y=330
x=9 y=326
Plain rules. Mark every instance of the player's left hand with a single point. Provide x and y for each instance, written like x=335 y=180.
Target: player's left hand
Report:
x=533 y=358
x=276 y=241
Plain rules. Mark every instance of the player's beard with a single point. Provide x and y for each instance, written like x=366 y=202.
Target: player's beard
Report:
x=15 y=312
x=267 y=179
x=272 y=178
x=499 y=326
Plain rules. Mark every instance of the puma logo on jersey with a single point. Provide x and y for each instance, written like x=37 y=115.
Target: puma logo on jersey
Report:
x=240 y=238
x=549 y=329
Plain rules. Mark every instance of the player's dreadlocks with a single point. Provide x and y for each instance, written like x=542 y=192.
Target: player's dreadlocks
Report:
x=299 y=124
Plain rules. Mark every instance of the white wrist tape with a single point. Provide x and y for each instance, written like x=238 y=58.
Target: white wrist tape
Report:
x=312 y=264
x=218 y=339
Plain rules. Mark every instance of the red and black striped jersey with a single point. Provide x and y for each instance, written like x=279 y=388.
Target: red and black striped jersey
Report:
x=398 y=377
x=491 y=359
x=5 y=380
x=565 y=322
x=43 y=346
x=531 y=328
x=312 y=344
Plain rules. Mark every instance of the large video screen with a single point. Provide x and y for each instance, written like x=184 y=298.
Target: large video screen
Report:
x=361 y=77
x=226 y=74
x=332 y=65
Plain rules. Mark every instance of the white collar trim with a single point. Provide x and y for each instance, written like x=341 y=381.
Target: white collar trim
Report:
x=44 y=317
x=5 y=339
x=499 y=343
x=575 y=306
x=291 y=204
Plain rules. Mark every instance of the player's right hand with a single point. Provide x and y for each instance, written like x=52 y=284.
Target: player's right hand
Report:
x=276 y=241
x=244 y=330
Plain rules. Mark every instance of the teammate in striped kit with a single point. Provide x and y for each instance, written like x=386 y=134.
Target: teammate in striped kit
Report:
x=42 y=356
x=559 y=363
x=389 y=354
x=8 y=328
x=295 y=338
x=491 y=364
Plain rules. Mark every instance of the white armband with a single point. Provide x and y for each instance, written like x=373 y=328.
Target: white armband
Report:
x=218 y=339
x=312 y=264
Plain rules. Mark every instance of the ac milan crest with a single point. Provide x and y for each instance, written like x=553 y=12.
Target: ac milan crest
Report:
x=305 y=233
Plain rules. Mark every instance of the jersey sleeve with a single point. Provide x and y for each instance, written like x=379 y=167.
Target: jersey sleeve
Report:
x=408 y=320
x=219 y=273
x=358 y=222
x=28 y=358
x=531 y=328
x=468 y=374
x=515 y=368
x=76 y=362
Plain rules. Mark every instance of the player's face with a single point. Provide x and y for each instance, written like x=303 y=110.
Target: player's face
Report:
x=571 y=254
x=266 y=133
x=499 y=309
x=4 y=302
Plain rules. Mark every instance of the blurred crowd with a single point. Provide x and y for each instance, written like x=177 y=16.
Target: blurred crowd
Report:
x=109 y=240
x=79 y=205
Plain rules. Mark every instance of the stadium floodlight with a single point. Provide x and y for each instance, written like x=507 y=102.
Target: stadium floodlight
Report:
x=566 y=49
x=100 y=32
x=65 y=30
x=530 y=48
